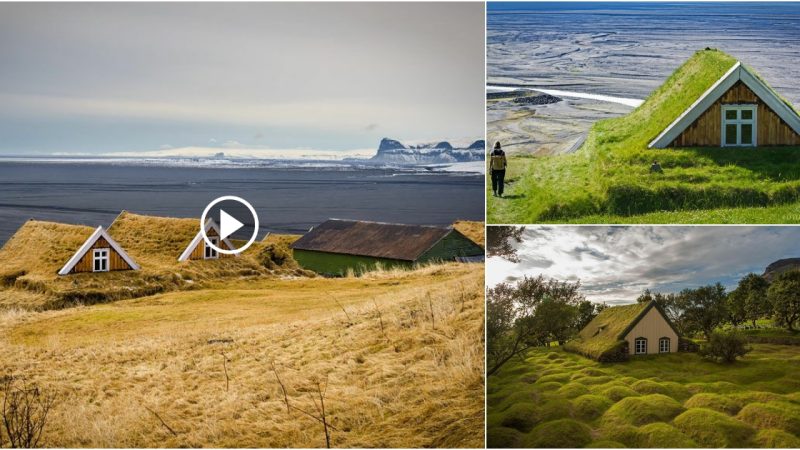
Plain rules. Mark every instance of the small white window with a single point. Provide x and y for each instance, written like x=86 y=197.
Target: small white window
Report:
x=100 y=260
x=663 y=345
x=739 y=125
x=211 y=252
x=640 y=347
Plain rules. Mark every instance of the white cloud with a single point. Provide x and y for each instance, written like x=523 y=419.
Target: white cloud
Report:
x=615 y=264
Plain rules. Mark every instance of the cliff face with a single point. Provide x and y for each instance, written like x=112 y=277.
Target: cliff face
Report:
x=393 y=151
x=780 y=266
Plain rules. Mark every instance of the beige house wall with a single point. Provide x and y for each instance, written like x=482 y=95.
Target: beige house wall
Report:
x=653 y=326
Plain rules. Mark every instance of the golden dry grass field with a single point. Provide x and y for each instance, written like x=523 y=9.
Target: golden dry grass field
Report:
x=401 y=352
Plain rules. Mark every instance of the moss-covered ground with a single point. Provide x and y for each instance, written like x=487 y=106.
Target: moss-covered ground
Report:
x=552 y=398
x=608 y=179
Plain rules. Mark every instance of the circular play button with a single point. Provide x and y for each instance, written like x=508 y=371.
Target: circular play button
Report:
x=230 y=217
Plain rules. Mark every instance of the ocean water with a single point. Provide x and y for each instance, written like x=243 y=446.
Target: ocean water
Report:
x=287 y=200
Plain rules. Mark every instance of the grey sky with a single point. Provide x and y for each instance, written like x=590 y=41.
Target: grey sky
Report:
x=100 y=77
x=615 y=264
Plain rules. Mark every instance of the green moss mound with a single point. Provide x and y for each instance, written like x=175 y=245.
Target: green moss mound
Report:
x=717 y=387
x=562 y=433
x=662 y=435
x=555 y=377
x=548 y=386
x=643 y=410
x=756 y=397
x=649 y=387
x=520 y=416
x=590 y=380
x=617 y=393
x=590 y=407
x=524 y=416
x=710 y=428
x=779 y=415
x=717 y=402
x=628 y=435
x=503 y=437
x=605 y=444
x=776 y=439
x=572 y=390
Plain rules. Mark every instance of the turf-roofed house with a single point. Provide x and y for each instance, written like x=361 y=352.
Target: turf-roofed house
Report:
x=739 y=110
x=99 y=253
x=621 y=331
x=336 y=247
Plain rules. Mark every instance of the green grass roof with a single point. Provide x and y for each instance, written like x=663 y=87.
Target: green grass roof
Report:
x=605 y=332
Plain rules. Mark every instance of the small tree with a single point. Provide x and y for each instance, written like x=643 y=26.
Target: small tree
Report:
x=784 y=295
x=513 y=319
x=499 y=241
x=704 y=308
x=724 y=347
x=751 y=297
x=25 y=410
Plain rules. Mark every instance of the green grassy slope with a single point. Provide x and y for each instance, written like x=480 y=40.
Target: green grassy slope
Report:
x=609 y=176
x=553 y=399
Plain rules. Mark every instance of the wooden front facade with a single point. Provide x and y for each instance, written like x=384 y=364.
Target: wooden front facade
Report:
x=706 y=131
x=199 y=252
x=115 y=261
x=653 y=327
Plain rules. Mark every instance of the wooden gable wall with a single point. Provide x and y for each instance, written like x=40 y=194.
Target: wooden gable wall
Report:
x=115 y=261
x=706 y=131
x=199 y=251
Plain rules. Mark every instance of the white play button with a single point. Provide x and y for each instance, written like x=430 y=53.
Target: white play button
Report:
x=228 y=224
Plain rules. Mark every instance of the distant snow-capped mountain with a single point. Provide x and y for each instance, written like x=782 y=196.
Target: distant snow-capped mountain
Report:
x=392 y=151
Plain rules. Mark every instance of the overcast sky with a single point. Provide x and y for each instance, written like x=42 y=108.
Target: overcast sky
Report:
x=100 y=77
x=615 y=264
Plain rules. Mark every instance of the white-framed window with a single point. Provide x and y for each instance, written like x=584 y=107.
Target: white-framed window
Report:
x=739 y=125
x=100 y=260
x=211 y=252
x=640 y=346
x=663 y=345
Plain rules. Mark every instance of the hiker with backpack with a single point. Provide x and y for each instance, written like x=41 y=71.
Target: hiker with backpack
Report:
x=497 y=166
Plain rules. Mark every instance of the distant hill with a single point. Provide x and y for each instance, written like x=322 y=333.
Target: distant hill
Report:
x=393 y=151
x=780 y=266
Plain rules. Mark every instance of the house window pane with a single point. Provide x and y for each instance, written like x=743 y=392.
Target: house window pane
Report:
x=663 y=346
x=747 y=134
x=730 y=114
x=747 y=114
x=730 y=134
x=640 y=346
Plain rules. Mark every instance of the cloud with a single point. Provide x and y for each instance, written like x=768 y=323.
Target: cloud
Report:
x=614 y=264
x=371 y=127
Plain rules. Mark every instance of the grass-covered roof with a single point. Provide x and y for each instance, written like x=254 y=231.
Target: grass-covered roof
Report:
x=609 y=179
x=606 y=331
x=41 y=248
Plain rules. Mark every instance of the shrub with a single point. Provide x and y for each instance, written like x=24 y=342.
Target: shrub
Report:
x=503 y=437
x=776 y=439
x=274 y=256
x=24 y=412
x=642 y=410
x=725 y=346
x=590 y=406
x=780 y=415
x=662 y=435
x=563 y=433
x=713 y=429
x=717 y=402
